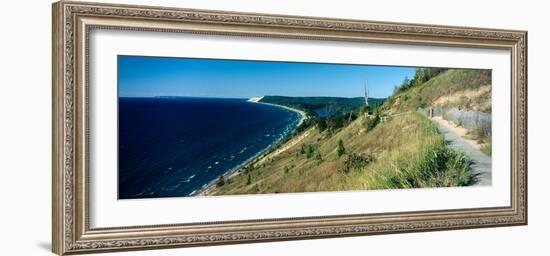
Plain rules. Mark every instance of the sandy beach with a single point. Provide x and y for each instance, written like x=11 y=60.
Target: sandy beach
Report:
x=261 y=155
x=302 y=113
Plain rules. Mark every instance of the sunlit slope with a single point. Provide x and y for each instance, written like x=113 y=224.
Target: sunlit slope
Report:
x=462 y=88
x=403 y=152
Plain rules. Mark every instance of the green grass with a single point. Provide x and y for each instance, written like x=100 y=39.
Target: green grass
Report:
x=406 y=152
x=435 y=166
x=445 y=84
x=419 y=158
x=482 y=138
x=487 y=149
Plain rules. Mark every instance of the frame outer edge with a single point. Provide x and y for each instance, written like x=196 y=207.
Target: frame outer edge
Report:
x=57 y=246
x=66 y=239
x=525 y=137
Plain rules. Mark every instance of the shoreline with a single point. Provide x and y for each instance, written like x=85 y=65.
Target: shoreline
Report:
x=205 y=189
x=303 y=115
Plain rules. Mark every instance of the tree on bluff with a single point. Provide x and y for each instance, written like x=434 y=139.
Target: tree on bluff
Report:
x=340 y=148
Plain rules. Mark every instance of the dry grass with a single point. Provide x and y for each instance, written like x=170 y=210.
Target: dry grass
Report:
x=482 y=139
x=472 y=99
x=399 y=148
x=446 y=85
x=406 y=151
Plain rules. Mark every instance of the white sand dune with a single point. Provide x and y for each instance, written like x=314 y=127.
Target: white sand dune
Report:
x=255 y=99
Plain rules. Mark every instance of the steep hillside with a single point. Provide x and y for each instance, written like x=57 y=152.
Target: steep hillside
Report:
x=401 y=153
x=395 y=147
x=460 y=96
x=461 y=88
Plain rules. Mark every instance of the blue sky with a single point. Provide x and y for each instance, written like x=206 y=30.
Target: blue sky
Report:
x=157 y=76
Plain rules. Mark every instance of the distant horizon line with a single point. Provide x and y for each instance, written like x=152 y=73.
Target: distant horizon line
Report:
x=214 y=97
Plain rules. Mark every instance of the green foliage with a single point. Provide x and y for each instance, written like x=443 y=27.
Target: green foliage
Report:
x=431 y=84
x=332 y=123
x=349 y=118
x=321 y=124
x=248 y=180
x=372 y=121
x=250 y=167
x=435 y=166
x=421 y=76
x=340 y=148
x=365 y=109
x=342 y=110
x=221 y=181
x=318 y=157
x=356 y=162
x=487 y=148
x=304 y=125
x=339 y=105
x=405 y=85
x=335 y=122
x=405 y=151
x=310 y=151
x=482 y=137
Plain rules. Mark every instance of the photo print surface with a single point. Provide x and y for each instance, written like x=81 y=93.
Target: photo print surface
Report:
x=207 y=127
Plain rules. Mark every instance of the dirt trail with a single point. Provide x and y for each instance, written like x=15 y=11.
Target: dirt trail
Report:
x=480 y=163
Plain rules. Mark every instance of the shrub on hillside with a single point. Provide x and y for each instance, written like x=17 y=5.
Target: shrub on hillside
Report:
x=318 y=157
x=248 y=180
x=356 y=162
x=372 y=121
x=310 y=151
x=221 y=181
x=340 y=148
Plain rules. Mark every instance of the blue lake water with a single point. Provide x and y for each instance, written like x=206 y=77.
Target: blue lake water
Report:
x=173 y=147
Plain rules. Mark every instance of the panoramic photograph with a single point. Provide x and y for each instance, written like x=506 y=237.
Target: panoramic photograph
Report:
x=206 y=127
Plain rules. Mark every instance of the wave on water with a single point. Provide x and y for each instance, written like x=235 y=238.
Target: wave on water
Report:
x=177 y=147
x=188 y=179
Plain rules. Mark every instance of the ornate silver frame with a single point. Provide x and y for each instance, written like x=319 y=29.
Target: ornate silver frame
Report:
x=72 y=21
